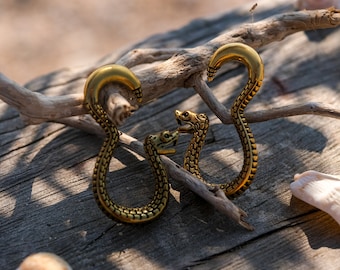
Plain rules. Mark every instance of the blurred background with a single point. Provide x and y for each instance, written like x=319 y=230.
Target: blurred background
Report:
x=39 y=36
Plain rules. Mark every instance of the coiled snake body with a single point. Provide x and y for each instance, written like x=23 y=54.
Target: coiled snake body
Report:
x=198 y=124
x=153 y=145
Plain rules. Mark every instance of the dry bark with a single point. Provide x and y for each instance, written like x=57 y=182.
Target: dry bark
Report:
x=178 y=68
x=161 y=71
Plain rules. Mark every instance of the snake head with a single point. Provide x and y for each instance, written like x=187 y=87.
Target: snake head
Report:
x=162 y=140
x=193 y=121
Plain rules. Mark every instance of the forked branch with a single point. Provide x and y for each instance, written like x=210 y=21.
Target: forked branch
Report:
x=164 y=70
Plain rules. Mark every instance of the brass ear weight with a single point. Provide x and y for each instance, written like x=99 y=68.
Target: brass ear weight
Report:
x=197 y=124
x=154 y=145
x=157 y=144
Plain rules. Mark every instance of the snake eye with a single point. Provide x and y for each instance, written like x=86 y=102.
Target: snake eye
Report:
x=186 y=114
x=202 y=117
x=164 y=136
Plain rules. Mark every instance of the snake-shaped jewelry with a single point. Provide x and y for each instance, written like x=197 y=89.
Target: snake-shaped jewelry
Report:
x=154 y=145
x=198 y=123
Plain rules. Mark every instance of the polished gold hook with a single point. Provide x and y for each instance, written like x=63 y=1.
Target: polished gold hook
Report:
x=110 y=74
x=241 y=53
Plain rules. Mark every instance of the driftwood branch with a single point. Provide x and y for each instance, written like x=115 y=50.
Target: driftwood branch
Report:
x=164 y=70
x=215 y=197
x=35 y=107
x=264 y=115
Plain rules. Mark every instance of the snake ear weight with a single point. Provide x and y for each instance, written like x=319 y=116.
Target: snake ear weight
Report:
x=198 y=126
x=153 y=145
x=251 y=59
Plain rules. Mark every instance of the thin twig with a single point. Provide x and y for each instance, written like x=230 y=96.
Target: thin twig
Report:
x=315 y=108
x=215 y=197
x=159 y=77
x=165 y=70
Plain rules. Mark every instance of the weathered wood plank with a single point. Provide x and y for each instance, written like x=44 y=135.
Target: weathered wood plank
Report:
x=46 y=202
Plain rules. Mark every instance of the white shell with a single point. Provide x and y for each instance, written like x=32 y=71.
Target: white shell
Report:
x=320 y=190
x=44 y=261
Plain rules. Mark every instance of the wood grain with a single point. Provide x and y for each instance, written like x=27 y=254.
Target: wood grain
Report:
x=46 y=202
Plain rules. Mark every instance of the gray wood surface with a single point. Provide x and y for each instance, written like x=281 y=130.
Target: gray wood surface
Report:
x=46 y=202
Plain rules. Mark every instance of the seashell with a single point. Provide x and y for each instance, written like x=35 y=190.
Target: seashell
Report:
x=320 y=190
x=44 y=261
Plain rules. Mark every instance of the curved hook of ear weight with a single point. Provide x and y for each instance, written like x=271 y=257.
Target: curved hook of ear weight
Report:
x=241 y=53
x=110 y=74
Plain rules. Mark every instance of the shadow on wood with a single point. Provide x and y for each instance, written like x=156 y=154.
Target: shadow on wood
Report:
x=46 y=199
